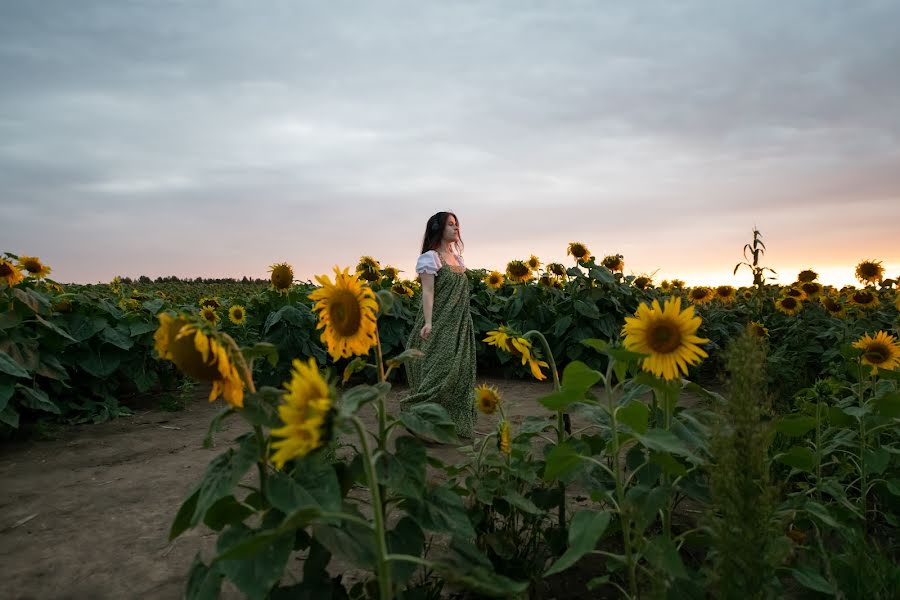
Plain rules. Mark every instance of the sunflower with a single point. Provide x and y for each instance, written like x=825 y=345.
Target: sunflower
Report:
x=881 y=352
x=700 y=295
x=534 y=263
x=212 y=303
x=665 y=286
x=546 y=280
x=578 y=250
x=832 y=306
x=402 y=290
x=668 y=335
x=812 y=289
x=725 y=294
x=503 y=444
x=305 y=413
x=487 y=398
x=864 y=299
x=795 y=293
x=642 y=282
x=201 y=354
x=9 y=273
x=368 y=269
x=518 y=271
x=677 y=284
x=508 y=341
x=34 y=266
x=757 y=329
x=237 y=314
x=209 y=315
x=869 y=271
x=807 y=276
x=557 y=269
x=789 y=305
x=282 y=277
x=897 y=301
x=494 y=280
x=63 y=306
x=614 y=262
x=390 y=273
x=747 y=294
x=347 y=310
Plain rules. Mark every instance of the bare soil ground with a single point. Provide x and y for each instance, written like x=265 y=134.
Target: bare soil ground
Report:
x=86 y=515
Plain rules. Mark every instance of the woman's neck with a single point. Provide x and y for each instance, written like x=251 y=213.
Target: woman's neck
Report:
x=445 y=248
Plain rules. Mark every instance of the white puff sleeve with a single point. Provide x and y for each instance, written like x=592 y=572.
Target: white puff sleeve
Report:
x=428 y=263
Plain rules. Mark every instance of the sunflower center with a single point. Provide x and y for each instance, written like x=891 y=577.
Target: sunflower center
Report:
x=863 y=298
x=789 y=303
x=345 y=313
x=698 y=293
x=664 y=337
x=868 y=269
x=831 y=305
x=238 y=314
x=519 y=270
x=5 y=269
x=578 y=250
x=877 y=353
x=32 y=266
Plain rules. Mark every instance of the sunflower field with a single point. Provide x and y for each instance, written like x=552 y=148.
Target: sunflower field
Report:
x=698 y=441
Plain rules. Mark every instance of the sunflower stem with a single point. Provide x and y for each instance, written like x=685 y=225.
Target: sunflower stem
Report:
x=383 y=571
x=620 y=488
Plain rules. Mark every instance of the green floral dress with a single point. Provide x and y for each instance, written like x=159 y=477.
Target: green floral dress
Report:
x=446 y=374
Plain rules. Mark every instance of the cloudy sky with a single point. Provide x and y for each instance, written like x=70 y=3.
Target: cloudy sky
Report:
x=216 y=138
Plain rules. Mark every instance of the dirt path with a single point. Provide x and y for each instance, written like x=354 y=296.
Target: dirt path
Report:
x=87 y=515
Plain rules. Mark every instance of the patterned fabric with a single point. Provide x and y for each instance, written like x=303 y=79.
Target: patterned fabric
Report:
x=446 y=375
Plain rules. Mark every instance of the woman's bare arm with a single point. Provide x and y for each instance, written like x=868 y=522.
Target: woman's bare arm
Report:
x=427 y=302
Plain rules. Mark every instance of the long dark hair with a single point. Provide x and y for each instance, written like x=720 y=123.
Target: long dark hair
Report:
x=434 y=232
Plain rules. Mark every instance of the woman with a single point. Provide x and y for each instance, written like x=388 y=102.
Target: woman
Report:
x=443 y=327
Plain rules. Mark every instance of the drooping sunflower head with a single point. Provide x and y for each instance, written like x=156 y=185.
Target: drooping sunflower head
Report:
x=212 y=303
x=237 y=314
x=578 y=250
x=347 y=312
x=869 y=271
x=390 y=273
x=864 y=299
x=34 y=267
x=614 y=262
x=812 y=289
x=209 y=315
x=487 y=398
x=9 y=273
x=546 y=280
x=725 y=294
x=282 y=277
x=677 y=284
x=201 y=353
x=789 y=305
x=700 y=295
x=881 y=352
x=534 y=263
x=757 y=329
x=557 y=269
x=667 y=335
x=518 y=271
x=368 y=269
x=642 y=282
x=807 y=276
x=832 y=306
x=509 y=341
x=402 y=289
x=503 y=437
x=494 y=280
x=306 y=414
x=793 y=292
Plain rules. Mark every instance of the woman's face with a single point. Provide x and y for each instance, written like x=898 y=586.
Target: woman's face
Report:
x=451 y=229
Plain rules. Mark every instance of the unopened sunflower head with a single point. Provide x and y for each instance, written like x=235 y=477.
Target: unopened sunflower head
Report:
x=306 y=414
x=614 y=262
x=201 y=352
x=534 y=263
x=578 y=250
x=368 y=269
x=34 y=267
x=807 y=276
x=725 y=294
x=494 y=280
x=9 y=273
x=347 y=311
x=487 y=398
x=504 y=443
x=518 y=271
x=282 y=277
x=869 y=272
x=881 y=352
x=667 y=335
x=789 y=305
x=237 y=314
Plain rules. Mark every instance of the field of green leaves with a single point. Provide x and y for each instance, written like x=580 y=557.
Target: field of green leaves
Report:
x=783 y=483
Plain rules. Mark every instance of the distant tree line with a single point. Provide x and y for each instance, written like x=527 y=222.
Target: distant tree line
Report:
x=176 y=279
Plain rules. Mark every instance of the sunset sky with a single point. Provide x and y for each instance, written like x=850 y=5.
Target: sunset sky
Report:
x=216 y=138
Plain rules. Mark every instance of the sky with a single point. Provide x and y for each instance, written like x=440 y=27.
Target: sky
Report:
x=201 y=138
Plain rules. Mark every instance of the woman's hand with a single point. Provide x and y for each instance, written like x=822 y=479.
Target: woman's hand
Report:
x=426 y=331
